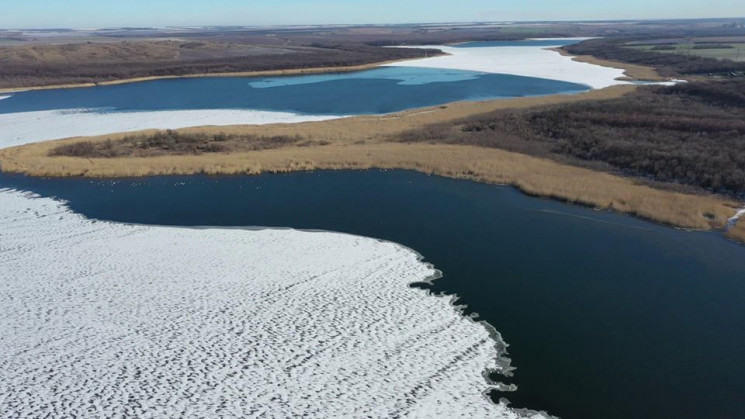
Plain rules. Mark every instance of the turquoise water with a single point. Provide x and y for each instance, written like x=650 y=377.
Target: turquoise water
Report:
x=607 y=316
x=381 y=90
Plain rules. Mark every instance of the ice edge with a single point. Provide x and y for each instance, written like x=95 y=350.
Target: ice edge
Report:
x=503 y=362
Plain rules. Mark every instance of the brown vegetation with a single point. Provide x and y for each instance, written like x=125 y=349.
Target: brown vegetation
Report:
x=737 y=232
x=530 y=174
x=43 y=65
x=692 y=134
x=172 y=142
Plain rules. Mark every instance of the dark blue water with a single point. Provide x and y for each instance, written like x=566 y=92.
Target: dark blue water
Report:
x=607 y=316
x=382 y=90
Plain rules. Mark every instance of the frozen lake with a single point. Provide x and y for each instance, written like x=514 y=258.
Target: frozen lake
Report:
x=605 y=314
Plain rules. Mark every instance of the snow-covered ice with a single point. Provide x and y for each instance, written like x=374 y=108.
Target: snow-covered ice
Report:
x=26 y=127
x=101 y=319
x=530 y=61
x=4 y=97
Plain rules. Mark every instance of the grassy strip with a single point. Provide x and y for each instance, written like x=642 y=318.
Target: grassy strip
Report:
x=532 y=175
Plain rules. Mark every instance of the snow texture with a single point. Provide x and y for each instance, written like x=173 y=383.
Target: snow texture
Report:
x=101 y=319
x=27 y=127
x=531 y=61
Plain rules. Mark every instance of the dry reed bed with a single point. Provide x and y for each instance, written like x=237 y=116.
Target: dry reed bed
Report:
x=529 y=174
x=737 y=232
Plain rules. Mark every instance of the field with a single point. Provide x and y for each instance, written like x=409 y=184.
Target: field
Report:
x=667 y=64
x=719 y=48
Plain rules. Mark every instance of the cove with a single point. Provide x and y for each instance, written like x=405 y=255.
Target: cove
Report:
x=606 y=315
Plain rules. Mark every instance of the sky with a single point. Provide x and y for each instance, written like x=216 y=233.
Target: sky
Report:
x=118 y=13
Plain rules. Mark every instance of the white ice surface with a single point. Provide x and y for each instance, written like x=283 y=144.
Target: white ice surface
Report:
x=3 y=97
x=735 y=218
x=531 y=61
x=27 y=127
x=101 y=319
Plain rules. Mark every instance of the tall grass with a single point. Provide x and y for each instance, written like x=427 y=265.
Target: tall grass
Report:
x=737 y=232
x=532 y=175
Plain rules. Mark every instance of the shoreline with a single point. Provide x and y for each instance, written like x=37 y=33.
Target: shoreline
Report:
x=363 y=142
x=262 y=73
x=632 y=71
x=531 y=175
x=350 y=128
x=218 y=242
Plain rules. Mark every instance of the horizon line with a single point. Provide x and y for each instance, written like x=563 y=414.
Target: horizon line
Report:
x=475 y=22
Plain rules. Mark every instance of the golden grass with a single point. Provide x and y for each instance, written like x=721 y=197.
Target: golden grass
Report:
x=737 y=232
x=632 y=71
x=529 y=174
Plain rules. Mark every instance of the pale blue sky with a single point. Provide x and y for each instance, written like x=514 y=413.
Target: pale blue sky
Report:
x=105 y=13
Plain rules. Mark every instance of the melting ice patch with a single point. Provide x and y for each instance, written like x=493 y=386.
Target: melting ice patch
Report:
x=528 y=60
x=110 y=320
x=28 y=127
x=734 y=219
x=404 y=76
